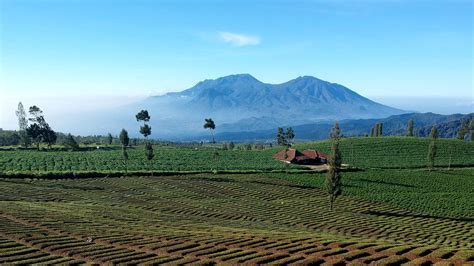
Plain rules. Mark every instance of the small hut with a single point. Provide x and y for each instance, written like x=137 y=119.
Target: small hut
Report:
x=307 y=157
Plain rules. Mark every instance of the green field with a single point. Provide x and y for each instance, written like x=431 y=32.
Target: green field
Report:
x=398 y=152
x=208 y=219
x=392 y=211
x=439 y=193
x=167 y=159
x=389 y=152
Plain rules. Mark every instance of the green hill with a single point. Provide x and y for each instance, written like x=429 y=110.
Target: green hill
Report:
x=398 y=152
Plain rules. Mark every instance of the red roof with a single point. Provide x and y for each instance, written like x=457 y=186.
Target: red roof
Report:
x=293 y=154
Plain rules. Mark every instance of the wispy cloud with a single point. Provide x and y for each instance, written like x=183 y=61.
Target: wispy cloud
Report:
x=237 y=39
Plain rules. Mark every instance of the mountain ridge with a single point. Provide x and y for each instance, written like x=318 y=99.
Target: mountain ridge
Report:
x=242 y=102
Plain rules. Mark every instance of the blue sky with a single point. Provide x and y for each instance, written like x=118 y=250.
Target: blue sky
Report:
x=54 y=50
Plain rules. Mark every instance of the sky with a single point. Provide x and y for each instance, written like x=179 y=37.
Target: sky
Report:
x=75 y=55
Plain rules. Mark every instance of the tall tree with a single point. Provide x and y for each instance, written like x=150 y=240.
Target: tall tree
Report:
x=380 y=132
x=109 y=139
x=410 y=128
x=281 y=137
x=145 y=130
x=39 y=130
x=209 y=123
x=125 y=140
x=290 y=135
x=22 y=126
x=149 y=155
x=432 y=149
x=35 y=133
x=333 y=178
x=49 y=136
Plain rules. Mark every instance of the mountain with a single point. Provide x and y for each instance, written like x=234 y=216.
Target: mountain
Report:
x=243 y=103
x=447 y=125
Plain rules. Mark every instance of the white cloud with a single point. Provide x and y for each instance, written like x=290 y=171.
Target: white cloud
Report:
x=239 y=39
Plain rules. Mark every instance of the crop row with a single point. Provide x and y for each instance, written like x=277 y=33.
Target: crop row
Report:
x=166 y=159
x=173 y=204
x=398 y=152
x=438 y=193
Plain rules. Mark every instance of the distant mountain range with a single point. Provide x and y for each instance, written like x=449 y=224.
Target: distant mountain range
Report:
x=243 y=103
x=447 y=125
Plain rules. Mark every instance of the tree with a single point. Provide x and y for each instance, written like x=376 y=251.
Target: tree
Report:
x=109 y=139
x=380 y=130
x=333 y=178
x=125 y=158
x=40 y=130
x=290 y=135
x=372 y=132
x=70 y=143
x=209 y=123
x=410 y=128
x=149 y=154
x=143 y=116
x=432 y=149
x=281 y=137
x=231 y=145
x=145 y=130
x=124 y=139
x=49 y=136
x=35 y=133
x=22 y=126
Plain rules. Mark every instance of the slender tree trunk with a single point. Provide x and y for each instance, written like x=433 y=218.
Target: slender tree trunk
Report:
x=212 y=134
x=151 y=167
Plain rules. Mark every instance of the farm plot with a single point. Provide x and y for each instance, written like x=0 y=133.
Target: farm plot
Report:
x=168 y=159
x=440 y=193
x=232 y=219
x=398 y=152
x=387 y=152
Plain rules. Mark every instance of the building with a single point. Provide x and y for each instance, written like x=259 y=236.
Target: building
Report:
x=310 y=157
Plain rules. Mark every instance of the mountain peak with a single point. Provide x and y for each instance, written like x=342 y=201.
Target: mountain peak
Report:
x=238 y=77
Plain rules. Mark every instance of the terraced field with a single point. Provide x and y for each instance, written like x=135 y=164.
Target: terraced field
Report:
x=208 y=219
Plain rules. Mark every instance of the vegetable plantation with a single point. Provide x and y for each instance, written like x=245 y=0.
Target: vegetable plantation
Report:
x=387 y=152
x=398 y=152
x=439 y=193
x=167 y=159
